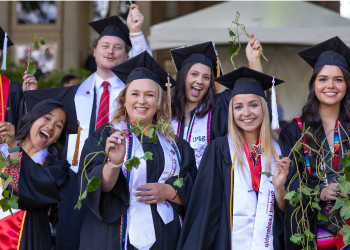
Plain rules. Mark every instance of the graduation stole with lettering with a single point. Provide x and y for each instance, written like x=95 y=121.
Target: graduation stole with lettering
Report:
x=4 y=91
x=11 y=227
x=137 y=223
x=251 y=217
x=198 y=134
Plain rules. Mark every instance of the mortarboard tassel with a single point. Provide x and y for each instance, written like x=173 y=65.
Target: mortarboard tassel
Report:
x=76 y=151
x=274 y=124
x=169 y=98
x=217 y=74
x=4 y=53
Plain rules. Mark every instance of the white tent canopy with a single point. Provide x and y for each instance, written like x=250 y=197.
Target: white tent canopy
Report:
x=272 y=22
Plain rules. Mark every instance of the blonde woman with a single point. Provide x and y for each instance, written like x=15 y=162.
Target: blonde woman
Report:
x=234 y=206
x=141 y=209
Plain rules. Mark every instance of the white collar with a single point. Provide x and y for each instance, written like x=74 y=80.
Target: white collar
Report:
x=113 y=81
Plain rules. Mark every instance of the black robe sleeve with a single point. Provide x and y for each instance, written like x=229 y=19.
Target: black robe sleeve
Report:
x=203 y=213
x=41 y=186
x=219 y=119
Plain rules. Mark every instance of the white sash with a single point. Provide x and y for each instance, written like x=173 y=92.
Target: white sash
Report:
x=38 y=158
x=83 y=106
x=197 y=134
x=140 y=227
x=252 y=219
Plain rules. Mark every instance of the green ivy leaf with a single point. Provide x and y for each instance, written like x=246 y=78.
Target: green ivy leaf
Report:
x=151 y=133
x=306 y=190
x=345 y=232
x=289 y=195
x=179 y=182
x=303 y=130
x=268 y=174
x=343 y=185
x=308 y=235
x=8 y=204
x=232 y=50
x=307 y=248
x=280 y=156
x=7 y=182
x=298 y=147
x=13 y=161
x=118 y=4
x=297 y=197
x=136 y=130
x=42 y=42
x=31 y=68
x=36 y=45
x=132 y=162
x=321 y=217
x=78 y=205
x=154 y=139
x=93 y=184
x=230 y=32
x=301 y=159
x=345 y=210
x=315 y=205
x=338 y=204
x=7 y=108
x=3 y=175
x=148 y=156
x=6 y=193
x=297 y=238
x=3 y=163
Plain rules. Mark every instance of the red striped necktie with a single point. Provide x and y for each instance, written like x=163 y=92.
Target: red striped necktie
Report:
x=103 y=108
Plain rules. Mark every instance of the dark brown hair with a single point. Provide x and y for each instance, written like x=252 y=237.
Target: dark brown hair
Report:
x=179 y=99
x=311 y=116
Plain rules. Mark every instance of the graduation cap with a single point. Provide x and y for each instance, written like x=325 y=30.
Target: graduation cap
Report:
x=112 y=26
x=64 y=95
x=247 y=81
x=142 y=66
x=331 y=52
x=5 y=42
x=203 y=53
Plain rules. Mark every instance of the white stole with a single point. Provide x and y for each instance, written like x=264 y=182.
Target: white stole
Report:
x=252 y=219
x=140 y=227
x=84 y=100
x=38 y=158
x=198 y=134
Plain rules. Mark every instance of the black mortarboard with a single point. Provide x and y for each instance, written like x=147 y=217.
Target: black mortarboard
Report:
x=2 y=36
x=203 y=53
x=63 y=95
x=331 y=52
x=142 y=66
x=247 y=81
x=112 y=26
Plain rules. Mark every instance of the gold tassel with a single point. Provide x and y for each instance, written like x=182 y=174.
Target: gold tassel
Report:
x=217 y=85
x=76 y=151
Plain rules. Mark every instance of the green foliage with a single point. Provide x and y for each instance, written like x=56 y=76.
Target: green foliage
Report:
x=9 y=204
x=132 y=162
x=268 y=174
x=179 y=182
x=321 y=217
x=31 y=68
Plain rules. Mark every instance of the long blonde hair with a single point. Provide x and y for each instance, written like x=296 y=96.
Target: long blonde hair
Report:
x=120 y=114
x=237 y=136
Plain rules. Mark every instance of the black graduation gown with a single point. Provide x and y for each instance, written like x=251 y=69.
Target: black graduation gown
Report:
x=15 y=103
x=219 y=116
x=101 y=227
x=39 y=188
x=70 y=219
x=207 y=221
x=288 y=137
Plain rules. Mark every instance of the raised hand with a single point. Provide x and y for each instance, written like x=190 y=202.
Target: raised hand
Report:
x=280 y=173
x=29 y=83
x=253 y=49
x=135 y=19
x=7 y=130
x=116 y=148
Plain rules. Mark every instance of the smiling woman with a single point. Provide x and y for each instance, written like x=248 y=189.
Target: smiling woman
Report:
x=327 y=115
x=38 y=150
x=142 y=208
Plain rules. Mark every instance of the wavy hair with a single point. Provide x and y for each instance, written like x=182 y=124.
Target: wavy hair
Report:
x=237 y=136
x=179 y=97
x=120 y=114
x=311 y=116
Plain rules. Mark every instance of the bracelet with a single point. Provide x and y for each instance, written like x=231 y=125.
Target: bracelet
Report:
x=135 y=34
x=15 y=149
x=175 y=195
x=112 y=166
